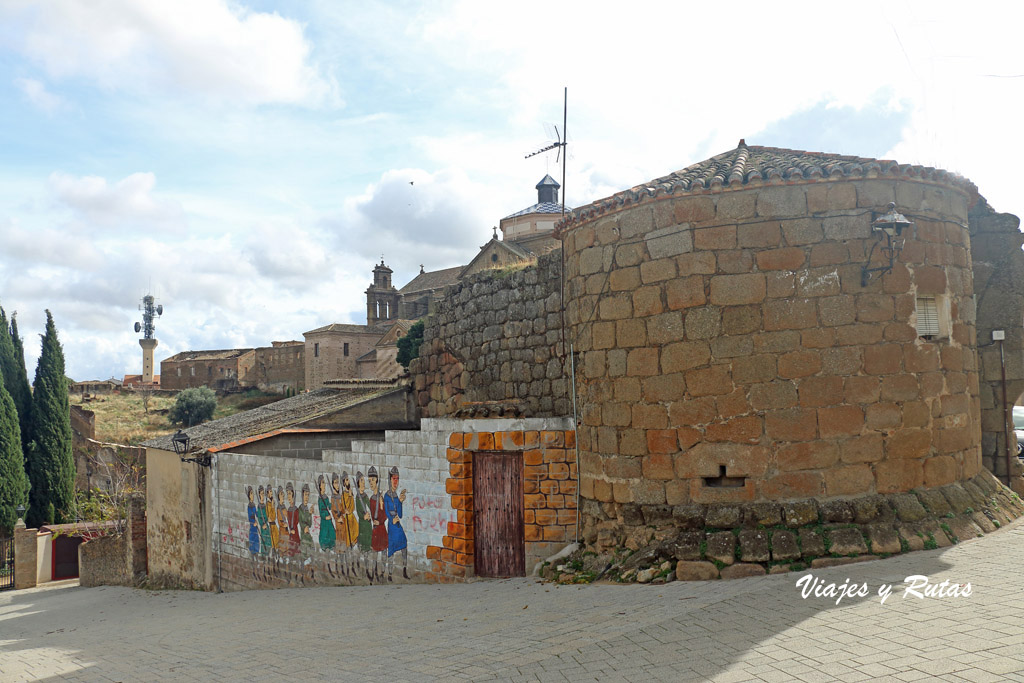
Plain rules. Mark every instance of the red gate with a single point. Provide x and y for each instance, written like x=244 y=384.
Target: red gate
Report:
x=499 y=543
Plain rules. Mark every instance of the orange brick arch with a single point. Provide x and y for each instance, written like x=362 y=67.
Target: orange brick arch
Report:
x=549 y=496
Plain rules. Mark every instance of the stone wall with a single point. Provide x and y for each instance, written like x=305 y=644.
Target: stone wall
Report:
x=305 y=445
x=497 y=338
x=730 y=352
x=280 y=368
x=117 y=559
x=999 y=286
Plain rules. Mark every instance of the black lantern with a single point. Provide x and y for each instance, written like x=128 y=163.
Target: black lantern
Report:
x=889 y=225
x=181 y=442
x=21 y=511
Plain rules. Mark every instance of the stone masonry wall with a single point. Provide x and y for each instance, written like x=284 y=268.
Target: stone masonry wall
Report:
x=497 y=337
x=729 y=351
x=999 y=285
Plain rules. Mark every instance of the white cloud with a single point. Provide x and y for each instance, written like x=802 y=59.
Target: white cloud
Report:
x=213 y=48
x=129 y=200
x=36 y=93
x=414 y=217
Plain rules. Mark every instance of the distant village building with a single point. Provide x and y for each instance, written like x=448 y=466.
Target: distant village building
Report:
x=221 y=370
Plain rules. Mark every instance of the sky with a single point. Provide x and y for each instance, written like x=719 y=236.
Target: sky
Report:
x=249 y=162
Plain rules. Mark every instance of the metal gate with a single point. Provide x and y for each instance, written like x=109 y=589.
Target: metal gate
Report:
x=499 y=542
x=6 y=563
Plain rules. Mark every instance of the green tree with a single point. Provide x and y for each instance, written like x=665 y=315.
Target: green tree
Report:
x=193 y=406
x=19 y=388
x=409 y=345
x=51 y=464
x=13 y=480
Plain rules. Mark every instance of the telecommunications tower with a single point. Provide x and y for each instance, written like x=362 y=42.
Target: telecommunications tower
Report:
x=150 y=310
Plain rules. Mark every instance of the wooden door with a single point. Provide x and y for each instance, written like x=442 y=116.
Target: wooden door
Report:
x=499 y=542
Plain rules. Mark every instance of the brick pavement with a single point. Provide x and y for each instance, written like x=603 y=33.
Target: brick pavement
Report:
x=728 y=631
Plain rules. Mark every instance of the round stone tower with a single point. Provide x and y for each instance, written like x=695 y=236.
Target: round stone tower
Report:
x=772 y=325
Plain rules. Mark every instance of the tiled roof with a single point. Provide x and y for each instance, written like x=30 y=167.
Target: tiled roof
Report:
x=547 y=181
x=434 y=279
x=754 y=165
x=545 y=207
x=283 y=414
x=219 y=354
x=343 y=327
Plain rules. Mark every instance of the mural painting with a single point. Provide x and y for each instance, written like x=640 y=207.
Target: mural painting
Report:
x=355 y=536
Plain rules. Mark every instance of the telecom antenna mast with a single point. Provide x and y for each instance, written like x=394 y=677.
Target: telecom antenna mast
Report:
x=150 y=311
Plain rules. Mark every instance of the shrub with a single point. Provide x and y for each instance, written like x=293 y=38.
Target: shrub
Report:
x=409 y=345
x=193 y=406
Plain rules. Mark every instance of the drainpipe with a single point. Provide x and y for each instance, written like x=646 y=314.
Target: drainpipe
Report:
x=576 y=429
x=999 y=336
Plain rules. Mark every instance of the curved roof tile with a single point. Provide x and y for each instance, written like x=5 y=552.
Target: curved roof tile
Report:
x=749 y=164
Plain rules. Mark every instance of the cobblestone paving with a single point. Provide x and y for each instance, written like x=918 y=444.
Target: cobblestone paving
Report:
x=521 y=630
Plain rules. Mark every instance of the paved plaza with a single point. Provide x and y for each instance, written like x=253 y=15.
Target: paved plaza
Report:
x=522 y=630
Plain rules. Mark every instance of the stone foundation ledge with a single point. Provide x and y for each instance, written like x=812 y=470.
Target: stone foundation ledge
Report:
x=702 y=542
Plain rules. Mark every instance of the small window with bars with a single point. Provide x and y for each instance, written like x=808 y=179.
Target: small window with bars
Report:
x=927 y=317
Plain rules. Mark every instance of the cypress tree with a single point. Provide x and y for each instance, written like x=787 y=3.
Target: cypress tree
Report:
x=51 y=465
x=13 y=481
x=19 y=387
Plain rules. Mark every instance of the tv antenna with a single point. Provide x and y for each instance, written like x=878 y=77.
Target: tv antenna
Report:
x=150 y=310
x=561 y=142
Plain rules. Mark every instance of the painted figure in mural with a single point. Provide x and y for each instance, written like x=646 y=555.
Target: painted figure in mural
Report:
x=363 y=515
x=349 y=504
x=327 y=519
x=379 y=535
x=339 y=514
x=293 y=522
x=272 y=520
x=254 y=527
x=397 y=541
x=282 y=524
x=261 y=518
x=305 y=521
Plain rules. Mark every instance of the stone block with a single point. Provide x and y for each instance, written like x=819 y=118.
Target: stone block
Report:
x=742 y=571
x=811 y=543
x=789 y=258
x=883 y=539
x=846 y=541
x=910 y=535
x=784 y=546
x=754 y=545
x=983 y=521
x=696 y=571
x=963 y=527
x=893 y=476
x=731 y=290
x=794 y=485
x=689 y=516
x=800 y=513
x=872 y=509
x=721 y=547
x=720 y=237
x=781 y=201
x=685 y=546
x=836 y=511
x=957 y=498
x=761 y=515
x=670 y=241
x=908 y=508
x=723 y=516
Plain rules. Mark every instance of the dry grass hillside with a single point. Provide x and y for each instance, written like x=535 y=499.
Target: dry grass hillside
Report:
x=121 y=418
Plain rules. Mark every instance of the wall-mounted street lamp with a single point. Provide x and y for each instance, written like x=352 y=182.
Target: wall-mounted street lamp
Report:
x=889 y=225
x=181 y=442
